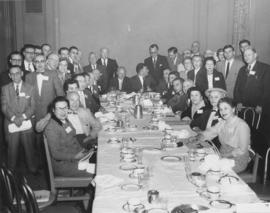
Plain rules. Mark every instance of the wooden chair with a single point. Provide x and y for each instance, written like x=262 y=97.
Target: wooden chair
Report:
x=250 y=174
x=67 y=183
x=10 y=191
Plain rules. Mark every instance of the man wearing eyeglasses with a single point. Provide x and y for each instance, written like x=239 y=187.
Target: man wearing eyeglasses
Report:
x=18 y=106
x=29 y=54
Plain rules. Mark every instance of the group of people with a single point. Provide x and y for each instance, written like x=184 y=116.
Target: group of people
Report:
x=51 y=95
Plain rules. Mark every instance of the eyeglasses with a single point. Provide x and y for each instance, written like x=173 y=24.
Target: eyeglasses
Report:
x=17 y=60
x=38 y=62
x=61 y=108
x=32 y=53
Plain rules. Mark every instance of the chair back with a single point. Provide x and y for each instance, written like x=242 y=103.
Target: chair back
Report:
x=10 y=191
x=29 y=198
x=265 y=173
x=250 y=116
x=49 y=165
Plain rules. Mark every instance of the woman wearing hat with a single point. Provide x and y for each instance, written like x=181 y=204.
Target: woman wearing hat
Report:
x=233 y=134
x=212 y=116
x=197 y=106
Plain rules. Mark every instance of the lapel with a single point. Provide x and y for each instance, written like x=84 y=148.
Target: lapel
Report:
x=44 y=82
x=139 y=82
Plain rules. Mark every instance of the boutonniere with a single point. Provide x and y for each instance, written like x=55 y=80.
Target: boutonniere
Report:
x=86 y=96
x=217 y=78
x=99 y=87
x=199 y=111
x=160 y=65
x=252 y=72
x=22 y=94
x=27 y=96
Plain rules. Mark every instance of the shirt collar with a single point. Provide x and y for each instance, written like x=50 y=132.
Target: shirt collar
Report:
x=252 y=65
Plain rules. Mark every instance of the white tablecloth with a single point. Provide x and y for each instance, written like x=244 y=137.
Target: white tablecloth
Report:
x=168 y=178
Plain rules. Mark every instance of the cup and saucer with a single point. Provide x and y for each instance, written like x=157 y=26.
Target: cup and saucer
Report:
x=211 y=193
x=132 y=205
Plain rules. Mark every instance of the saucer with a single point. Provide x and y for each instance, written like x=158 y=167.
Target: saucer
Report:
x=151 y=150
x=221 y=204
x=171 y=159
x=127 y=209
x=131 y=187
x=127 y=167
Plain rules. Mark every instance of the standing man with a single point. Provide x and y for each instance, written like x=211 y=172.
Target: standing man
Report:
x=74 y=65
x=243 y=45
x=195 y=48
x=18 y=106
x=109 y=64
x=174 y=58
x=156 y=63
x=197 y=62
x=252 y=82
x=29 y=54
x=230 y=68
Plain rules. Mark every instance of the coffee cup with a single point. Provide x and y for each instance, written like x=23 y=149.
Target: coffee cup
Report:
x=213 y=192
x=133 y=203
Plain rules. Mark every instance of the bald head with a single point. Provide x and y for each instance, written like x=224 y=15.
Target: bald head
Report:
x=74 y=100
x=53 y=61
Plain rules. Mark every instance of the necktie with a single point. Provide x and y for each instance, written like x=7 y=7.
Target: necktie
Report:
x=17 y=90
x=214 y=121
x=227 y=69
x=154 y=62
x=28 y=67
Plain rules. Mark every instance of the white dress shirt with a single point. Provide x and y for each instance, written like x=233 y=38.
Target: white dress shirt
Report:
x=120 y=83
x=40 y=79
x=29 y=66
x=76 y=123
x=141 y=80
x=19 y=86
x=210 y=81
x=104 y=61
x=82 y=98
x=226 y=64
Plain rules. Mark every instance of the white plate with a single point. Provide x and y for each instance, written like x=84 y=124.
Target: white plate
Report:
x=171 y=159
x=151 y=150
x=113 y=141
x=125 y=207
x=128 y=167
x=157 y=210
x=221 y=204
x=131 y=187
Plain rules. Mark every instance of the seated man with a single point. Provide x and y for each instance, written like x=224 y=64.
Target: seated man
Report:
x=64 y=148
x=121 y=82
x=142 y=81
x=86 y=126
x=101 y=80
x=167 y=95
x=178 y=101
x=164 y=84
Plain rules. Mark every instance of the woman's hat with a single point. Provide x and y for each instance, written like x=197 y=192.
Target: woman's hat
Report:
x=222 y=91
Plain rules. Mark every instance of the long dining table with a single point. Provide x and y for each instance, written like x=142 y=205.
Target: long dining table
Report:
x=168 y=178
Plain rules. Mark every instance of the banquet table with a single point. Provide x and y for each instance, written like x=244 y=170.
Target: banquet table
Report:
x=168 y=178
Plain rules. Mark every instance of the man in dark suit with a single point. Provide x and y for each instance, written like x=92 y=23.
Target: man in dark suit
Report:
x=230 y=68
x=74 y=65
x=164 y=84
x=210 y=77
x=18 y=106
x=28 y=53
x=121 y=82
x=142 y=81
x=174 y=58
x=47 y=86
x=252 y=82
x=86 y=98
x=52 y=62
x=197 y=62
x=110 y=64
x=156 y=63
x=243 y=45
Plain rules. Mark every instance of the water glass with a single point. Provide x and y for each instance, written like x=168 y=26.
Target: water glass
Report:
x=139 y=154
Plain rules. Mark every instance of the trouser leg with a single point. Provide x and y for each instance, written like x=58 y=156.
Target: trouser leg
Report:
x=13 y=148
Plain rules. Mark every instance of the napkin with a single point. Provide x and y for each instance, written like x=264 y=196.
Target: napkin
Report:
x=109 y=115
x=181 y=134
x=127 y=96
x=162 y=126
x=25 y=126
x=164 y=110
x=107 y=181
x=84 y=164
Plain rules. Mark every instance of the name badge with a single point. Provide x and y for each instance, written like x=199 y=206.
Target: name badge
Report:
x=45 y=78
x=68 y=129
x=22 y=94
x=252 y=72
x=199 y=111
x=217 y=78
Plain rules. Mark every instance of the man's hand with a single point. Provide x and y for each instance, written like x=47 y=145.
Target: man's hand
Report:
x=79 y=155
x=18 y=121
x=258 y=109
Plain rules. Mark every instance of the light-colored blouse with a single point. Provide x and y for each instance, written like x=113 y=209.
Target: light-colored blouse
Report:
x=235 y=133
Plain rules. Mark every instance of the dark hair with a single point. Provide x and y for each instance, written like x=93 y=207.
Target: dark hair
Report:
x=63 y=59
x=37 y=47
x=14 y=66
x=196 y=56
x=14 y=53
x=45 y=44
x=73 y=47
x=228 y=46
x=227 y=100
x=153 y=45
x=78 y=75
x=209 y=59
x=174 y=73
x=68 y=82
x=172 y=49
x=58 y=99
x=187 y=58
x=244 y=41
x=139 y=67
x=27 y=46
x=179 y=79
x=191 y=89
x=62 y=48
x=219 y=51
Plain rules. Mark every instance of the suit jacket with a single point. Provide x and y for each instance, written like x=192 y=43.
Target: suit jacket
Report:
x=162 y=87
x=51 y=88
x=126 y=87
x=13 y=105
x=198 y=113
x=111 y=67
x=91 y=126
x=4 y=78
x=201 y=121
x=202 y=81
x=90 y=101
x=232 y=76
x=251 y=88
x=178 y=102
x=174 y=66
x=191 y=74
x=157 y=71
x=136 y=85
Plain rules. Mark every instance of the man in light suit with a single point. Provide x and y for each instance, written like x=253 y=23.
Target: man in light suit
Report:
x=174 y=58
x=230 y=68
x=156 y=63
x=18 y=106
x=47 y=86
x=86 y=126
x=121 y=82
